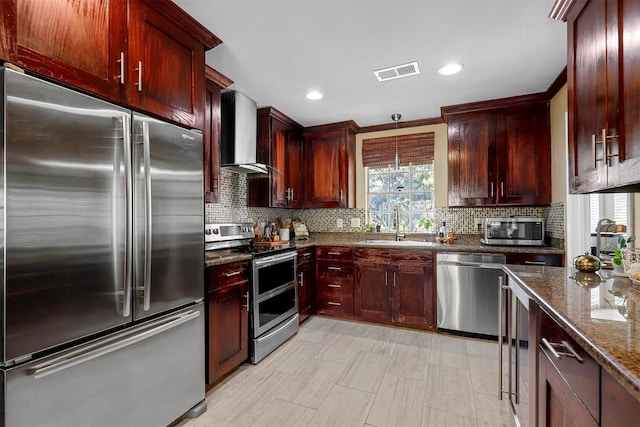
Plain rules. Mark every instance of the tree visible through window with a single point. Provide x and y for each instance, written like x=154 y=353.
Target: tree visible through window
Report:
x=410 y=188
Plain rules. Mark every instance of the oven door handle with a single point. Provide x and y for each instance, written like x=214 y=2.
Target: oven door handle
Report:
x=274 y=259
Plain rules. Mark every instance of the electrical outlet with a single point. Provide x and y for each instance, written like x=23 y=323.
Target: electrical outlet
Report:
x=355 y=222
x=339 y=223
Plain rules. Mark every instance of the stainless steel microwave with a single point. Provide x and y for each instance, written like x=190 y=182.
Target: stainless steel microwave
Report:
x=514 y=231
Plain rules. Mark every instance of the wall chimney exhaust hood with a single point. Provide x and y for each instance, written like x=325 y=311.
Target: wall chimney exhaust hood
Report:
x=238 y=133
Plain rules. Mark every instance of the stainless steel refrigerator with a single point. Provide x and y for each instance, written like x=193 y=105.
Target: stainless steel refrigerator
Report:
x=102 y=261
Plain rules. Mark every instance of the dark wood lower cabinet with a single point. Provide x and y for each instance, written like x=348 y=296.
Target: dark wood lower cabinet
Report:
x=228 y=319
x=395 y=286
x=619 y=407
x=306 y=283
x=558 y=404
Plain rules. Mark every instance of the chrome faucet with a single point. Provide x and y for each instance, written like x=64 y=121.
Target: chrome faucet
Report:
x=599 y=227
x=396 y=223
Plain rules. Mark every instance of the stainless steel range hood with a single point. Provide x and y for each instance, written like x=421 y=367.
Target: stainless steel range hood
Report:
x=238 y=133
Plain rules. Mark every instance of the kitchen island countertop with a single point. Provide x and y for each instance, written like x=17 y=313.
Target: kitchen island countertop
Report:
x=600 y=311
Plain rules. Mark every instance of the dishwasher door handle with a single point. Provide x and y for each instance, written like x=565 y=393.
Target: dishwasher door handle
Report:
x=471 y=264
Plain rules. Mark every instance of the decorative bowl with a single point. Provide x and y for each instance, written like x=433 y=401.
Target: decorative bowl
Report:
x=631 y=264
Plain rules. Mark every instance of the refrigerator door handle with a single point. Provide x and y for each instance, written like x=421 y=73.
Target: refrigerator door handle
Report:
x=128 y=255
x=147 y=215
x=78 y=358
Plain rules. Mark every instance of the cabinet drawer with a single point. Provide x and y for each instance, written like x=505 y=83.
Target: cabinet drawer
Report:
x=341 y=253
x=335 y=287
x=581 y=373
x=228 y=274
x=341 y=305
x=334 y=268
x=534 y=259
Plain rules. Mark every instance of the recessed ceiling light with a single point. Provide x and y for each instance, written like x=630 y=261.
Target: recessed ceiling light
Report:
x=314 y=95
x=450 y=69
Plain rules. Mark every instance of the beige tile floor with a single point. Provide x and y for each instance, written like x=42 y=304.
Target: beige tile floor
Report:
x=340 y=373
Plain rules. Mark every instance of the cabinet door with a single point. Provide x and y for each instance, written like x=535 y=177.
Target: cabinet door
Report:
x=592 y=86
x=628 y=162
x=306 y=286
x=372 y=294
x=166 y=66
x=413 y=295
x=619 y=407
x=524 y=156
x=211 y=142
x=557 y=403
x=228 y=329
x=327 y=162
x=472 y=164
x=295 y=170
x=79 y=42
x=279 y=163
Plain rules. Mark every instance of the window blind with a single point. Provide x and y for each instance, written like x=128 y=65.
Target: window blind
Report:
x=415 y=148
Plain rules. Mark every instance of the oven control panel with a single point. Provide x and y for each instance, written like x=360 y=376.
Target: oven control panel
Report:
x=224 y=232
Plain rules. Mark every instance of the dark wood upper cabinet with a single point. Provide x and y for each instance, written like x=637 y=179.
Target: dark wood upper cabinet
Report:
x=82 y=43
x=604 y=95
x=330 y=165
x=166 y=61
x=499 y=152
x=280 y=147
x=211 y=133
x=145 y=54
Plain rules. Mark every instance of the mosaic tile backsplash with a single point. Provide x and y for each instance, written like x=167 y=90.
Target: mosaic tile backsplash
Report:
x=232 y=207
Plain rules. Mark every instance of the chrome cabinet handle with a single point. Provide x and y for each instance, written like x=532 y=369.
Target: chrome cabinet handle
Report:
x=334 y=268
x=120 y=76
x=560 y=350
x=139 y=70
x=394 y=279
x=386 y=281
x=235 y=273
x=534 y=263
x=247 y=297
x=301 y=274
x=334 y=286
x=492 y=189
x=500 y=296
x=333 y=303
x=333 y=253
x=501 y=188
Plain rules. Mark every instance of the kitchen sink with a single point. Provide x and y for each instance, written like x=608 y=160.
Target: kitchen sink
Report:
x=400 y=243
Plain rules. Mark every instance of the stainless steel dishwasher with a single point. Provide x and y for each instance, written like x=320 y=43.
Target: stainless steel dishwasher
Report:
x=468 y=290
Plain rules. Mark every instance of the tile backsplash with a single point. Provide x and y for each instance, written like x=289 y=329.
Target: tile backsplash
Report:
x=232 y=207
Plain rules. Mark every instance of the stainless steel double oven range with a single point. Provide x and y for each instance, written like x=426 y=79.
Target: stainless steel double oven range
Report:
x=273 y=295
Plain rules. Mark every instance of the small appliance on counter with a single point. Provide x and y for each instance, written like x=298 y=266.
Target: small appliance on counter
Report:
x=300 y=230
x=513 y=231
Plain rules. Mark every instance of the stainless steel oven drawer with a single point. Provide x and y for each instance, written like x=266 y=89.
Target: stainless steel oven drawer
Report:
x=265 y=344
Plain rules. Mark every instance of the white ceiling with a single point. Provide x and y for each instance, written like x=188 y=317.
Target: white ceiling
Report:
x=277 y=50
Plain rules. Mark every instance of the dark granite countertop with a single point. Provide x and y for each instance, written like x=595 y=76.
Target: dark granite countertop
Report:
x=213 y=258
x=464 y=243
x=603 y=317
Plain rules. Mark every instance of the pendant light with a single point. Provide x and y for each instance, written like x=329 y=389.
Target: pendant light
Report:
x=396 y=118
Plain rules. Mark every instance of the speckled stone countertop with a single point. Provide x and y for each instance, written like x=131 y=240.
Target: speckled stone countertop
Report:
x=603 y=317
x=213 y=258
x=464 y=243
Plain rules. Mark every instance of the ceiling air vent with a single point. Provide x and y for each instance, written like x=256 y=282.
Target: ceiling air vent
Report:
x=404 y=70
